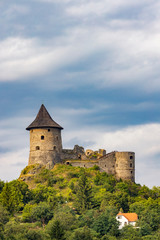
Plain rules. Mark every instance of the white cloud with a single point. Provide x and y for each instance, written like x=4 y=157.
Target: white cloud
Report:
x=16 y=9
x=12 y=163
x=84 y=8
x=117 y=52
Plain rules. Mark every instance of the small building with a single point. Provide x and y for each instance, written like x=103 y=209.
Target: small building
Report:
x=126 y=219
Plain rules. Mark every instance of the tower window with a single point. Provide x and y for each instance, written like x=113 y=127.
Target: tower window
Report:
x=130 y=164
x=42 y=137
x=37 y=147
x=131 y=157
x=54 y=147
x=49 y=130
x=105 y=165
x=131 y=172
x=57 y=138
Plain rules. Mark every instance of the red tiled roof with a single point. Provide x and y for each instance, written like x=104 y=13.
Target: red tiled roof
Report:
x=131 y=217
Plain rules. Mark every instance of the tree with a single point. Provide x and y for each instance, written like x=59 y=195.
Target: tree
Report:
x=40 y=212
x=84 y=197
x=81 y=234
x=4 y=215
x=55 y=230
x=66 y=216
x=106 y=223
x=14 y=195
x=1 y=185
x=130 y=233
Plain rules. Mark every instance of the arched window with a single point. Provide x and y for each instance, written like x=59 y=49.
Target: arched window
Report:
x=37 y=148
x=42 y=137
x=54 y=147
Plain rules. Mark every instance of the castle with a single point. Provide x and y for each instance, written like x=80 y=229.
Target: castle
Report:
x=46 y=149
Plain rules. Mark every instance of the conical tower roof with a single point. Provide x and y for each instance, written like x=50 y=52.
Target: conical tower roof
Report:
x=43 y=120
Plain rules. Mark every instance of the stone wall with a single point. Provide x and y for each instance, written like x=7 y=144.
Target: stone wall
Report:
x=107 y=163
x=125 y=165
x=45 y=146
x=84 y=164
x=119 y=164
x=76 y=153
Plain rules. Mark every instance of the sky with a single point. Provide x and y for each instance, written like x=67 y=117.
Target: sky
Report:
x=95 y=65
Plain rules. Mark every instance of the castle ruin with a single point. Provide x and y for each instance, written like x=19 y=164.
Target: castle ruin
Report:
x=46 y=149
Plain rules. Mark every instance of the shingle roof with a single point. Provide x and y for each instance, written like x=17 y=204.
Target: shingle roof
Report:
x=132 y=217
x=43 y=120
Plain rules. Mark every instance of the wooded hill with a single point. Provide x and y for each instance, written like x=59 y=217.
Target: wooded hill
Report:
x=74 y=203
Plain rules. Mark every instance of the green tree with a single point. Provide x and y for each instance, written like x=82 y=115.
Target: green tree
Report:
x=66 y=216
x=130 y=233
x=4 y=215
x=1 y=185
x=106 y=223
x=32 y=234
x=55 y=230
x=37 y=212
x=14 y=195
x=81 y=234
x=84 y=197
x=7 y=198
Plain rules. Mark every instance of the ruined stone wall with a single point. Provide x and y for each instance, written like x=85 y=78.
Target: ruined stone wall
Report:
x=45 y=146
x=119 y=164
x=125 y=165
x=84 y=164
x=76 y=153
x=107 y=163
x=68 y=154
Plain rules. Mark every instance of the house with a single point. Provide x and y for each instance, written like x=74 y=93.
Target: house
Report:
x=126 y=219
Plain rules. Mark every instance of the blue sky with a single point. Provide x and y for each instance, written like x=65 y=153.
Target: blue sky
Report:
x=94 y=65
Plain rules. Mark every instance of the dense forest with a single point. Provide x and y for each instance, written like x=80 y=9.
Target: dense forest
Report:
x=72 y=203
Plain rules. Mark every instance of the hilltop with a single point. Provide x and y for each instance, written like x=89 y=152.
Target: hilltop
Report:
x=74 y=203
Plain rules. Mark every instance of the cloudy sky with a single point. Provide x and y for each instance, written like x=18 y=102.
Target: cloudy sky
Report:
x=95 y=65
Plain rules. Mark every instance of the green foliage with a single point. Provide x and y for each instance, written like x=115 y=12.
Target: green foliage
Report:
x=95 y=167
x=1 y=185
x=66 y=216
x=4 y=215
x=40 y=212
x=130 y=233
x=55 y=230
x=14 y=195
x=81 y=234
x=49 y=210
x=27 y=169
x=32 y=234
x=42 y=193
x=105 y=223
x=84 y=197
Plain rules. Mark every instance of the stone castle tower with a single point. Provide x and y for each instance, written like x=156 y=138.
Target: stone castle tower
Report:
x=45 y=140
x=46 y=149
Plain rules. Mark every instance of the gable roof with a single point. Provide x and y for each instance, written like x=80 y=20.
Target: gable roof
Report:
x=131 y=217
x=43 y=120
